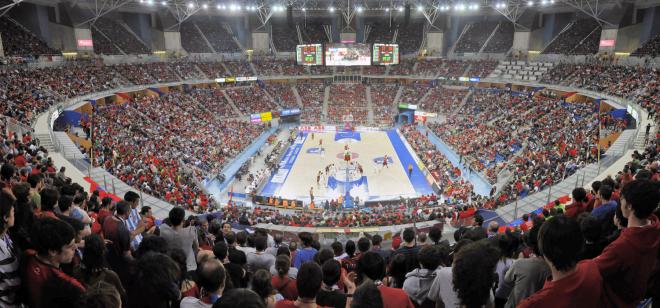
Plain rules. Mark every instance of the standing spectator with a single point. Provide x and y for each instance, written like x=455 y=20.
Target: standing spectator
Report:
x=119 y=252
x=607 y=206
x=10 y=281
x=277 y=238
x=308 y=285
x=55 y=245
x=94 y=269
x=376 y=240
x=36 y=181
x=409 y=250
x=155 y=282
x=134 y=222
x=261 y=284
x=442 y=290
x=307 y=253
x=211 y=277
x=625 y=264
x=418 y=282
x=260 y=259
x=243 y=298
x=330 y=295
x=473 y=274
x=573 y=284
x=179 y=237
x=281 y=282
x=371 y=269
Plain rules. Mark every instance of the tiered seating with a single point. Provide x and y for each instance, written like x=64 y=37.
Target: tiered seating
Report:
x=250 y=99
x=623 y=81
x=191 y=40
x=443 y=100
x=311 y=95
x=453 y=68
x=102 y=45
x=282 y=94
x=571 y=40
x=382 y=100
x=216 y=33
x=284 y=38
x=268 y=67
x=651 y=48
x=521 y=70
x=347 y=100
x=428 y=67
x=185 y=69
x=481 y=68
x=321 y=70
x=475 y=37
x=214 y=101
x=380 y=33
x=502 y=40
x=413 y=93
x=213 y=69
x=239 y=68
x=374 y=70
x=405 y=67
x=119 y=36
x=16 y=41
x=410 y=38
x=313 y=33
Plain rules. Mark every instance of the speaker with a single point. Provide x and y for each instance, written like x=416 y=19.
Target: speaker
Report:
x=406 y=16
x=289 y=16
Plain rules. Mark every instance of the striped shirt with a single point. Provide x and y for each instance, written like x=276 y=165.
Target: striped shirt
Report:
x=131 y=223
x=10 y=280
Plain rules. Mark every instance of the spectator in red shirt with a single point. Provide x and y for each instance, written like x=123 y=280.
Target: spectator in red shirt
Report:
x=371 y=269
x=627 y=263
x=55 y=245
x=49 y=198
x=573 y=284
x=579 y=204
x=282 y=282
x=115 y=230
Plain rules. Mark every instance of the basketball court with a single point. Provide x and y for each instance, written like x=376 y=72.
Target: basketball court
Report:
x=364 y=176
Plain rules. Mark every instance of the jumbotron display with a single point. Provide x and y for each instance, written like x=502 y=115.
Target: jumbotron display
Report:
x=385 y=54
x=347 y=54
x=311 y=54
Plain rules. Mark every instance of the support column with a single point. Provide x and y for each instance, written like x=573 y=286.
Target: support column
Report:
x=607 y=41
x=2 y=50
x=172 y=41
x=521 y=41
x=435 y=43
x=84 y=42
x=260 y=42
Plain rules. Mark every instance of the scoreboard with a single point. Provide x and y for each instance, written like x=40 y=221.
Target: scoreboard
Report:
x=311 y=54
x=385 y=54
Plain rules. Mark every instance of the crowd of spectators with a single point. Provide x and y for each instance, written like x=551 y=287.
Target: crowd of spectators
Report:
x=428 y=67
x=314 y=33
x=214 y=101
x=454 y=68
x=443 y=100
x=239 y=68
x=570 y=40
x=285 y=38
x=283 y=94
x=275 y=67
x=650 y=48
x=475 y=36
x=409 y=37
x=413 y=93
x=374 y=70
x=380 y=33
x=18 y=42
x=118 y=36
x=250 y=99
x=502 y=40
x=481 y=68
x=405 y=67
x=217 y=35
x=192 y=40
x=347 y=101
x=382 y=100
x=213 y=69
x=311 y=94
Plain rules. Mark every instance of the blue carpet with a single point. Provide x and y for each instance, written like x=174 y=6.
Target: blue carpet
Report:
x=417 y=179
x=276 y=180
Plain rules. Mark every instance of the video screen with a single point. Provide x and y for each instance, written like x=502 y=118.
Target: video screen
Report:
x=309 y=54
x=385 y=54
x=347 y=54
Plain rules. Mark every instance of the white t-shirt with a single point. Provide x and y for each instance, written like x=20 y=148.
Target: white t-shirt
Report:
x=193 y=302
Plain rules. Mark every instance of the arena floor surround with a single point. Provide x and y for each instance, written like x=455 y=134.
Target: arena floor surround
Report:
x=313 y=151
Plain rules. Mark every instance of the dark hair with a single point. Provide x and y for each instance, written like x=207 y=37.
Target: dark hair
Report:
x=306 y=238
x=435 y=234
x=6 y=204
x=337 y=248
x=244 y=298
x=230 y=237
x=479 y=220
x=508 y=243
x=51 y=234
x=376 y=240
x=590 y=227
x=372 y=265
x=144 y=210
x=308 y=280
x=350 y=248
x=560 y=242
x=7 y=171
x=220 y=250
x=525 y=217
x=363 y=244
x=475 y=234
x=367 y=296
x=64 y=203
x=260 y=243
x=531 y=239
x=123 y=208
x=283 y=250
x=155 y=281
x=605 y=191
x=151 y=243
x=277 y=238
x=176 y=216
x=106 y=201
x=131 y=196
x=331 y=272
x=101 y=295
x=619 y=215
x=323 y=255
x=429 y=257
x=34 y=179
x=473 y=273
x=282 y=265
x=241 y=238
x=643 y=196
x=595 y=186
x=399 y=268
x=579 y=194
x=49 y=199
x=261 y=283
x=211 y=275
x=408 y=235
x=94 y=253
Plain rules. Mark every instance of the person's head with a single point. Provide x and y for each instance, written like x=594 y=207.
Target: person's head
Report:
x=145 y=211
x=106 y=202
x=508 y=243
x=226 y=228
x=211 y=277
x=620 y=221
x=132 y=198
x=176 y=216
x=94 y=253
x=595 y=187
x=6 y=212
x=473 y=273
x=261 y=284
x=54 y=240
x=525 y=217
x=435 y=234
x=260 y=243
x=590 y=227
x=308 y=280
x=372 y=266
x=282 y=265
x=579 y=194
x=151 y=243
x=241 y=238
x=408 y=235
x=156 y=280
x=283 y=251
x=123 y=209
x=101 y=295
x=363 y=244
x=350 y=248
x=244 y=298
x=278 y=238
x=367 y=295
x=7 y=171
x=376 y=240
x=36 y=181
x=323 y=255
x=306 y=239
x=430 y=257
x=331 y=272
x=560 y=242
x=49 y=199
x=478 y=220
x=639 y=198
x=293 y=246
x=64 y=203
x=398 y=268
x=605 y=192
x=220 y=250
x=493 y=227
x=230 y=237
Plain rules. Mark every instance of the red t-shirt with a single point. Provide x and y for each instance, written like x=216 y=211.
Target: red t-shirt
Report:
x=394 y=298
x=286 y=287
x=37 y=273
x=627 y=263
x=583 y=289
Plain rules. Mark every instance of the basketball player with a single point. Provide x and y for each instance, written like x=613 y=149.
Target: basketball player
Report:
x=321 y=143
x=312 y=136
x=311 y=194
x=385 y=161
x=318 y=179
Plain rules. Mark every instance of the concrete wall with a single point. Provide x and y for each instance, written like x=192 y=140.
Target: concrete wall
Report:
x=63 y=37
x=521 y=41
x=2 y=50
x=608 y=34
x=536 y=41
x=347 y=36
x=82 y=34
x=435 y=43
x=34 y=18
x=260 y=42
x=172 y=41
x=628 y=38
x=157 y=39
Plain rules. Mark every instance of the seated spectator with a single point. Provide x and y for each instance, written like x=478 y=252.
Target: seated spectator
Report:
x=371 y=269
x=573 y=284
x=624 y=264
x=330 y=294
